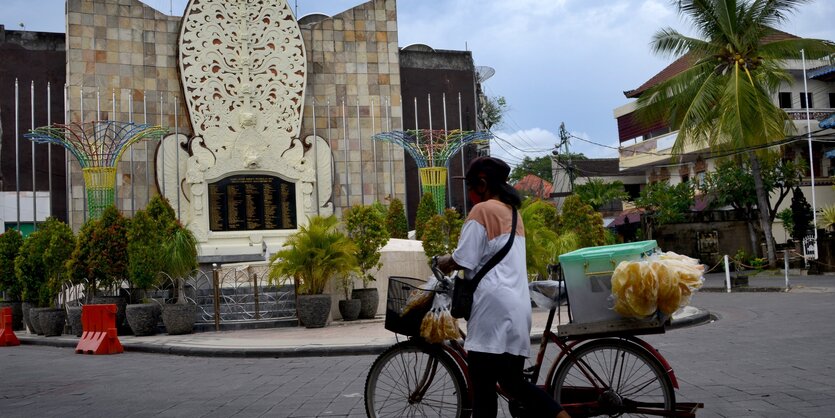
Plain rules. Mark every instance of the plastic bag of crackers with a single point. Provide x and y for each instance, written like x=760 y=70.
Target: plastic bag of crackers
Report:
x=438 y=324
x=662 y=282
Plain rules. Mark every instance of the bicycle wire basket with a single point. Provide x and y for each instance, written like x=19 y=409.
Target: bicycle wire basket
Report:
x=399 y=289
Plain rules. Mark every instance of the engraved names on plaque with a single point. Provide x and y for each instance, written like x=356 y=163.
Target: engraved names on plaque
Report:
x=251 y=203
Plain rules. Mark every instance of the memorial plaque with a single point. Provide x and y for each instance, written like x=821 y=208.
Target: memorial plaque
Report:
x=251 y=203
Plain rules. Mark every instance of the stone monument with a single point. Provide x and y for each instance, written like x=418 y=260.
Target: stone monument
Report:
x=249 y=178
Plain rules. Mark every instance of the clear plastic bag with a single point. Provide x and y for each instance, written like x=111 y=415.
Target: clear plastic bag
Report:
x=438 y=324
x=664 y=282
x=547 y=293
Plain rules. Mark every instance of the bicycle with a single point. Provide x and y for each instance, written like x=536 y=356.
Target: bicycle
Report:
x=601 y=369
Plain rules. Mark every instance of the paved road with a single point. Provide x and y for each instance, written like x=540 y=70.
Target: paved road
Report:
x=769 y=355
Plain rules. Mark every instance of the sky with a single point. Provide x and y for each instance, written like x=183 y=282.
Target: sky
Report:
x=556 y=61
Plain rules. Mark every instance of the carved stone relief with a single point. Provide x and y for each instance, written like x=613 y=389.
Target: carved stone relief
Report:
x=243 y=70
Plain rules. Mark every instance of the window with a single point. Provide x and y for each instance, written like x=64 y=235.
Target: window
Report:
x=785 y=100
x=806 y=98
x=832 y=100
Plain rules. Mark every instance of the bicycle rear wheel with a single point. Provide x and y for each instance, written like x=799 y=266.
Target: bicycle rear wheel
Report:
x=613 y=377
x=415 y=379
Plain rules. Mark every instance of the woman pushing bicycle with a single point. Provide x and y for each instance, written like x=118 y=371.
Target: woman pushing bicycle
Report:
x=498 y=329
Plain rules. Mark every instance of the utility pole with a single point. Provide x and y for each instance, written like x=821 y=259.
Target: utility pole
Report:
x=565 y=141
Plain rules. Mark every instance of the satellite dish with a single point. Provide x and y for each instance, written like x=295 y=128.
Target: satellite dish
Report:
x=484 y=72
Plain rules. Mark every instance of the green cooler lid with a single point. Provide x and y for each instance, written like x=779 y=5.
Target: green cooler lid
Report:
x=609 y=251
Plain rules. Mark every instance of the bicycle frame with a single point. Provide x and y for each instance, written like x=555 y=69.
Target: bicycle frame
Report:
x=566 y=345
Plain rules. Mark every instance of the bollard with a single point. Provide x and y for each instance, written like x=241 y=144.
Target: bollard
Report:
x=255 y=295
x=99 y=330
x=216 y=285
x=727 y=274
x=7 y=335
x=786 y=266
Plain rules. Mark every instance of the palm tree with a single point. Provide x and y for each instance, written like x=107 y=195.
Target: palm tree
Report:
x=724 y=99
x=596 y=192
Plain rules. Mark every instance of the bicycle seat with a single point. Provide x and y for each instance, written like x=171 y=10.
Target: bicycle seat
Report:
x=547 y=293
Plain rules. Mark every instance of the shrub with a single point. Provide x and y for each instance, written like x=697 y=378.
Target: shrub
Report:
x=315 y=254
x=581 y=219
x=145 y=259
x=396 y=223
x=425 y=211
x=40 y=265
x=146 y=230
x=101 y=251
x=441 y=234
x=366 y=227
x=180 y=256
x=10 y=243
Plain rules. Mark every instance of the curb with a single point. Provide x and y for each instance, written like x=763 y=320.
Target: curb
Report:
x=331 y=351
x=693 y=316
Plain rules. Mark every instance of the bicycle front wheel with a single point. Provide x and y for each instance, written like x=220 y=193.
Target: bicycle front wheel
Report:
x=613 y=377
x=415 y=379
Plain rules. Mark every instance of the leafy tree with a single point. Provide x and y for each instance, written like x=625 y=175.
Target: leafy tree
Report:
x=785 y=216
x=539 y=166
x=10 y=243
x=396 y=223
x=584 y=221
x=732 y=184
x=492 y=111
x=108 y=265
x=441 y=233
x=801 y=215
x=40 y=264
x=724 y=100
x=539 y=218
x=144 y=257
x=425 y=211
x=366 y=227
x=664 y=203
x=597 y=192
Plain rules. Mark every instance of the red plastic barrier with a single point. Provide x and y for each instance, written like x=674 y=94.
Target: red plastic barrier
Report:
x=7 y=337
x=98 y=323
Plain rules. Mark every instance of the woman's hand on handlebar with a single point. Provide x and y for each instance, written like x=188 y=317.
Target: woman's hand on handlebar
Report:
x=446 y=264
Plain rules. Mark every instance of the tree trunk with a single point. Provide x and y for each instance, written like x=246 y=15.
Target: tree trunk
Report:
x=763 y=207
x=752 y=235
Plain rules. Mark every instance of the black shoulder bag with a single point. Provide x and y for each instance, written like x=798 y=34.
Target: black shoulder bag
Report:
x=463 y=290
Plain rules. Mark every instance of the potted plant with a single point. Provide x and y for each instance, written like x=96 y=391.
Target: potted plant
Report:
x=104 y=256
x=145 y=262
x=312 y=257
x=180 y=260
x=77 y=273
x=40 y=268
x=739 y=279
x=366 y=227
x=349 y=308
x=10 y=242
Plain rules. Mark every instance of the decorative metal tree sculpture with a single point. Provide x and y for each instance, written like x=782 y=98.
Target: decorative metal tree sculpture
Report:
x=432 y=150
x=98 y=147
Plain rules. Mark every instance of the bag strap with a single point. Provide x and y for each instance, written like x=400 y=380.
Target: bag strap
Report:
x=499 y=255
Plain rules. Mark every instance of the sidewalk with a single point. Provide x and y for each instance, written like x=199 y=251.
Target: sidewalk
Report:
x=370 y=337
x=337 y=339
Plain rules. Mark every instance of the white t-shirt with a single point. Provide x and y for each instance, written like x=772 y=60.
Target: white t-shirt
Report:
x=500 y=321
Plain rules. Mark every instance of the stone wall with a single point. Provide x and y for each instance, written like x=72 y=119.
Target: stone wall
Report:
x=353 y=59
x=125 y=50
